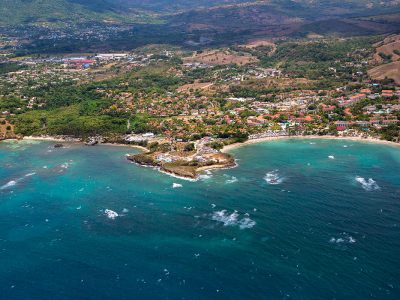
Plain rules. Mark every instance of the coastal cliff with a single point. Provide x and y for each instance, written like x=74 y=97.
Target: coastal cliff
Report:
x=183 y=166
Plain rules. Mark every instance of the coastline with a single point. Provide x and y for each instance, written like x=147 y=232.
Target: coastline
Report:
x=50 y=139
x=79 y=141
x=226 y=148
x=230 y=147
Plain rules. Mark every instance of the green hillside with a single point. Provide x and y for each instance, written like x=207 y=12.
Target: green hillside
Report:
x=14 y=12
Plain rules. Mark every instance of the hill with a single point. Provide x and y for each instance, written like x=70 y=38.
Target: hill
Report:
x=210 y=11
x=15 y=12
x=59 y=26
x=387 y=59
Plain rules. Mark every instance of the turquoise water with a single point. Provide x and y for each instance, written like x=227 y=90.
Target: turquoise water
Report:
x=295 y=220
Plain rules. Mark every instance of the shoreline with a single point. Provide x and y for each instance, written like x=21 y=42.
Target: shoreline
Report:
x=225 y=149
x=79 y=141
x=230 y=147
x=50 y=139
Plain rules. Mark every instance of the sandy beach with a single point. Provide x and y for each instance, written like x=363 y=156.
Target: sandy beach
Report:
x=228 y=148
x=51 y=139
x=326 y=137
x=79 y=141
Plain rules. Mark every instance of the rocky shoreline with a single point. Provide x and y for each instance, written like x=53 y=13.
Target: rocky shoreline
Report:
x=187 y=169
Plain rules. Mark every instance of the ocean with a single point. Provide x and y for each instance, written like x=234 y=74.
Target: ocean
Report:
x=296 y=219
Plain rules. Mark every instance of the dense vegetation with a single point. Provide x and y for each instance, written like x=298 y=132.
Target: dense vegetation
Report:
x=144 y=98
x=9 y=67
x=69 y=24
x=318 y=60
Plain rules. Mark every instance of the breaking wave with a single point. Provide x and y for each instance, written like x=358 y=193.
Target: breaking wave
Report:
x=12 y=183
x=343 y=239
x=176 y=185
x=246 y=223
x=368 y=185
x=273 y=177
x=111 y=214
x=64 y=165
x=8 y=184
x=233 y=219
x=233 y=179
x=204 y=177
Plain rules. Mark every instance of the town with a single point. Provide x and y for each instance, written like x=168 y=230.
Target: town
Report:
x=169 y=99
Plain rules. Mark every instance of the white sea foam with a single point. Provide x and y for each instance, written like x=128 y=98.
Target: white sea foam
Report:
x=331 y=157
x=64 y=165
x=232 y=219
x=344 y=238
x=246 y=223
x=368 y=185
x=173 y=175
x=176 y=185
x=111 y=214
x=233 y=179
x=273 y=177
x=8 y=184
x=12 y=183
x=204 y=176
x=224 y=217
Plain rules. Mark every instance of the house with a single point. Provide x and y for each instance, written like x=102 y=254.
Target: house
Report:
x=81 y=63
x=387 y=93
x=109 y=56
x=342 y=125
x=362 y=123
x=389 y=122
x=358 y=97
x=328 y=107
x=366 y=91
x=370 y=109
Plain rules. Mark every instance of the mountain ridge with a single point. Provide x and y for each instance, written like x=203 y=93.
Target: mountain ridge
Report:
x=134 y=11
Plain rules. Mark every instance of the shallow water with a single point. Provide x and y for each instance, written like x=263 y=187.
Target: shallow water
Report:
x=84 y=223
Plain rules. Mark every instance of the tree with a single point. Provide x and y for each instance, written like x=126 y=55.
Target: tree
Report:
x=189 y=147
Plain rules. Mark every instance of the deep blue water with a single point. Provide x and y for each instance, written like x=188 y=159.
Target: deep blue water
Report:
x=319 y=229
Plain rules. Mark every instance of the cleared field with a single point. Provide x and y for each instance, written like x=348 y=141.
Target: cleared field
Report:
x=195 y=86
x=221 y=57
x=391 y=70
x=261 y=43
x=389 y=46
x=296 y=83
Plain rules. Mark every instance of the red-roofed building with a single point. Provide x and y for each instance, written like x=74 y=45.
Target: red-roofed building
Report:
x=358 y=97
x=347 y=112
x=328 y=107
x=387 y=93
